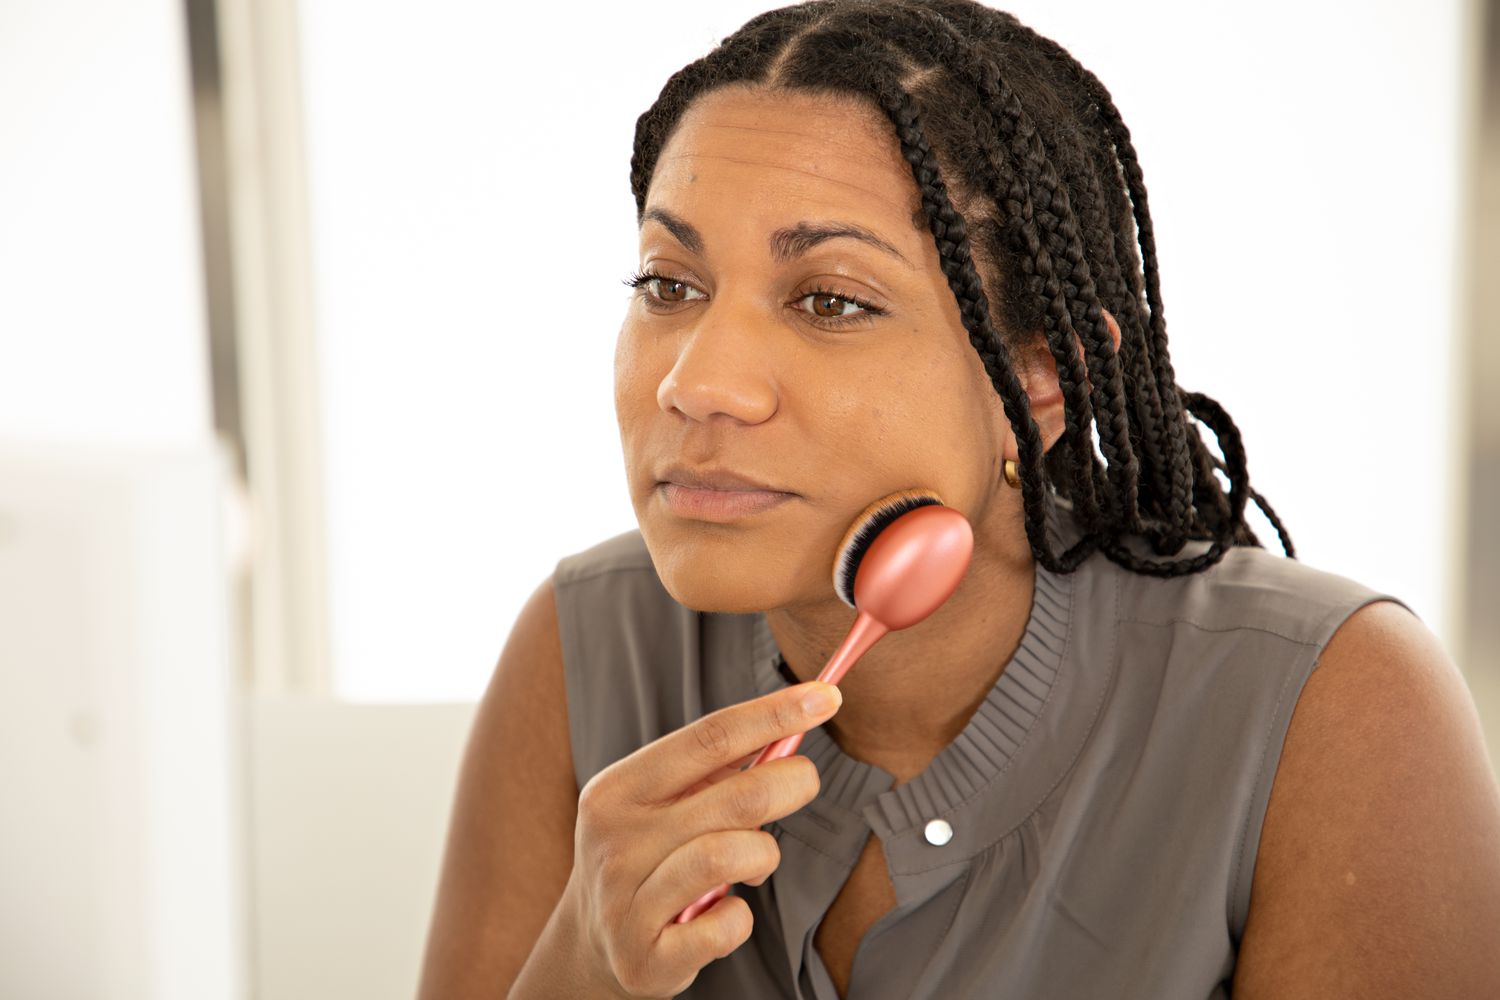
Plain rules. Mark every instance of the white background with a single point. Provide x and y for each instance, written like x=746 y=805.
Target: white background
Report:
x=120 y=851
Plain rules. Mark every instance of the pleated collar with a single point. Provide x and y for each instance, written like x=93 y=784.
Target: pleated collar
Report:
x=1011 y=754
x=990 y=744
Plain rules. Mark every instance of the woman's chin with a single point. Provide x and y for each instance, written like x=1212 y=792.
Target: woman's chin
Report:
x=717 y=596
x=715 y=602
x=727 y=586
x=708 y=572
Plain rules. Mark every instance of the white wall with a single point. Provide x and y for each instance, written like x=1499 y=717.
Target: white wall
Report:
x=121 y=840
x=101 y=306
x=120 y=859
x=472 y=217
x=351 y=812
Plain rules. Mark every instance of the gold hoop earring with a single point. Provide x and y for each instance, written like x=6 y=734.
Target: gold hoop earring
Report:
x=1012 y=473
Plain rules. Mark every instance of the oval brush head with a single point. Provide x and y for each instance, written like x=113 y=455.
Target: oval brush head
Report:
x=866 y=528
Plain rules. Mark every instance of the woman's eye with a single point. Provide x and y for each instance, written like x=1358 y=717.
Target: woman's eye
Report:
x=671 y=290
x=833 y=307
x=660 y=287
x=827 y=305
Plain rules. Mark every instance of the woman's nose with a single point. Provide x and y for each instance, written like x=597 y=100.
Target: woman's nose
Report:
x=722 y=367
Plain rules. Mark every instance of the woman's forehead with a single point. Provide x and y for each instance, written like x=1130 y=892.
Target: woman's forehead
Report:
x=799 y=154
x=798 y=112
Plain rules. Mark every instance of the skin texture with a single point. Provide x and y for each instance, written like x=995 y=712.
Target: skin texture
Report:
x=743 y=372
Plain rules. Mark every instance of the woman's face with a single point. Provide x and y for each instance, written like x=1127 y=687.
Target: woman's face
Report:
x=733 y=362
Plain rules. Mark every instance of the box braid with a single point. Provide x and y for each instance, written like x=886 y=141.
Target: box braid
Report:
x=1049 y=231
x=1200 y=474
x=1041 y=169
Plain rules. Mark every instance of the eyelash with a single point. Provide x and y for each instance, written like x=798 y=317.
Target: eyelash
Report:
x=641 y=280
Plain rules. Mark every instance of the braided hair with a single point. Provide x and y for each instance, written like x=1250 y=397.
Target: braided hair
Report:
x=1034 y=195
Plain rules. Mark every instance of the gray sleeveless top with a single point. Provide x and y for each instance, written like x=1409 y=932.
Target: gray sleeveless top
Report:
x=1105 y=799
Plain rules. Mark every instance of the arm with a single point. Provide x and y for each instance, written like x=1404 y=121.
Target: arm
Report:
x=1378 y=871
x=509 y=851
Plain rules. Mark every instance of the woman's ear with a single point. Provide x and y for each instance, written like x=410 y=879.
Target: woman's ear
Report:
x=1038 y=376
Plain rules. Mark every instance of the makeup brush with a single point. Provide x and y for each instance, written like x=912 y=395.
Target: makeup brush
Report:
x=903 y=556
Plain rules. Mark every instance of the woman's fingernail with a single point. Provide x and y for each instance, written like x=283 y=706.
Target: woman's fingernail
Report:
x=823 y=699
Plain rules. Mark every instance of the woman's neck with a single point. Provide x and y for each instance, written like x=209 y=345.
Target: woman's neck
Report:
x=915 y=690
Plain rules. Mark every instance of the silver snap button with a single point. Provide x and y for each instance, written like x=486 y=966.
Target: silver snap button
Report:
x=938 y=832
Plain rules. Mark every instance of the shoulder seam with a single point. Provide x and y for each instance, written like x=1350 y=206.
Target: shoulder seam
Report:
x=1232 y=628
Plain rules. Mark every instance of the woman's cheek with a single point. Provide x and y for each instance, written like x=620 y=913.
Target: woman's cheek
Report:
x=635 y=386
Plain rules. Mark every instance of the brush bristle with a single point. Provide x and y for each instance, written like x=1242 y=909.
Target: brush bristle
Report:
x=866 y=528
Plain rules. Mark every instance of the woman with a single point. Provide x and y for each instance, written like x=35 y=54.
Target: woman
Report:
x=889 y=245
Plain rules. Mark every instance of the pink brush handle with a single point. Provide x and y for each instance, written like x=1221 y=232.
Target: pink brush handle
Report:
x=862 y=635
x=784 y=747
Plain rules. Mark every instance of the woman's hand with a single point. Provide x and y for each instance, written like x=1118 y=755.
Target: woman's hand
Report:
x=659 y=828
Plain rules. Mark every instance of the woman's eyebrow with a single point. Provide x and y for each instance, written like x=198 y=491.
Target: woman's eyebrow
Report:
x=786 y=244
x=792 y=242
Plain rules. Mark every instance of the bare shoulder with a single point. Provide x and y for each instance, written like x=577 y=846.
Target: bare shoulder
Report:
x=510 y=837
x=1378 y=870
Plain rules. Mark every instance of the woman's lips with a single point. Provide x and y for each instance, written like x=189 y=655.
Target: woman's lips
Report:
x=719 y=505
